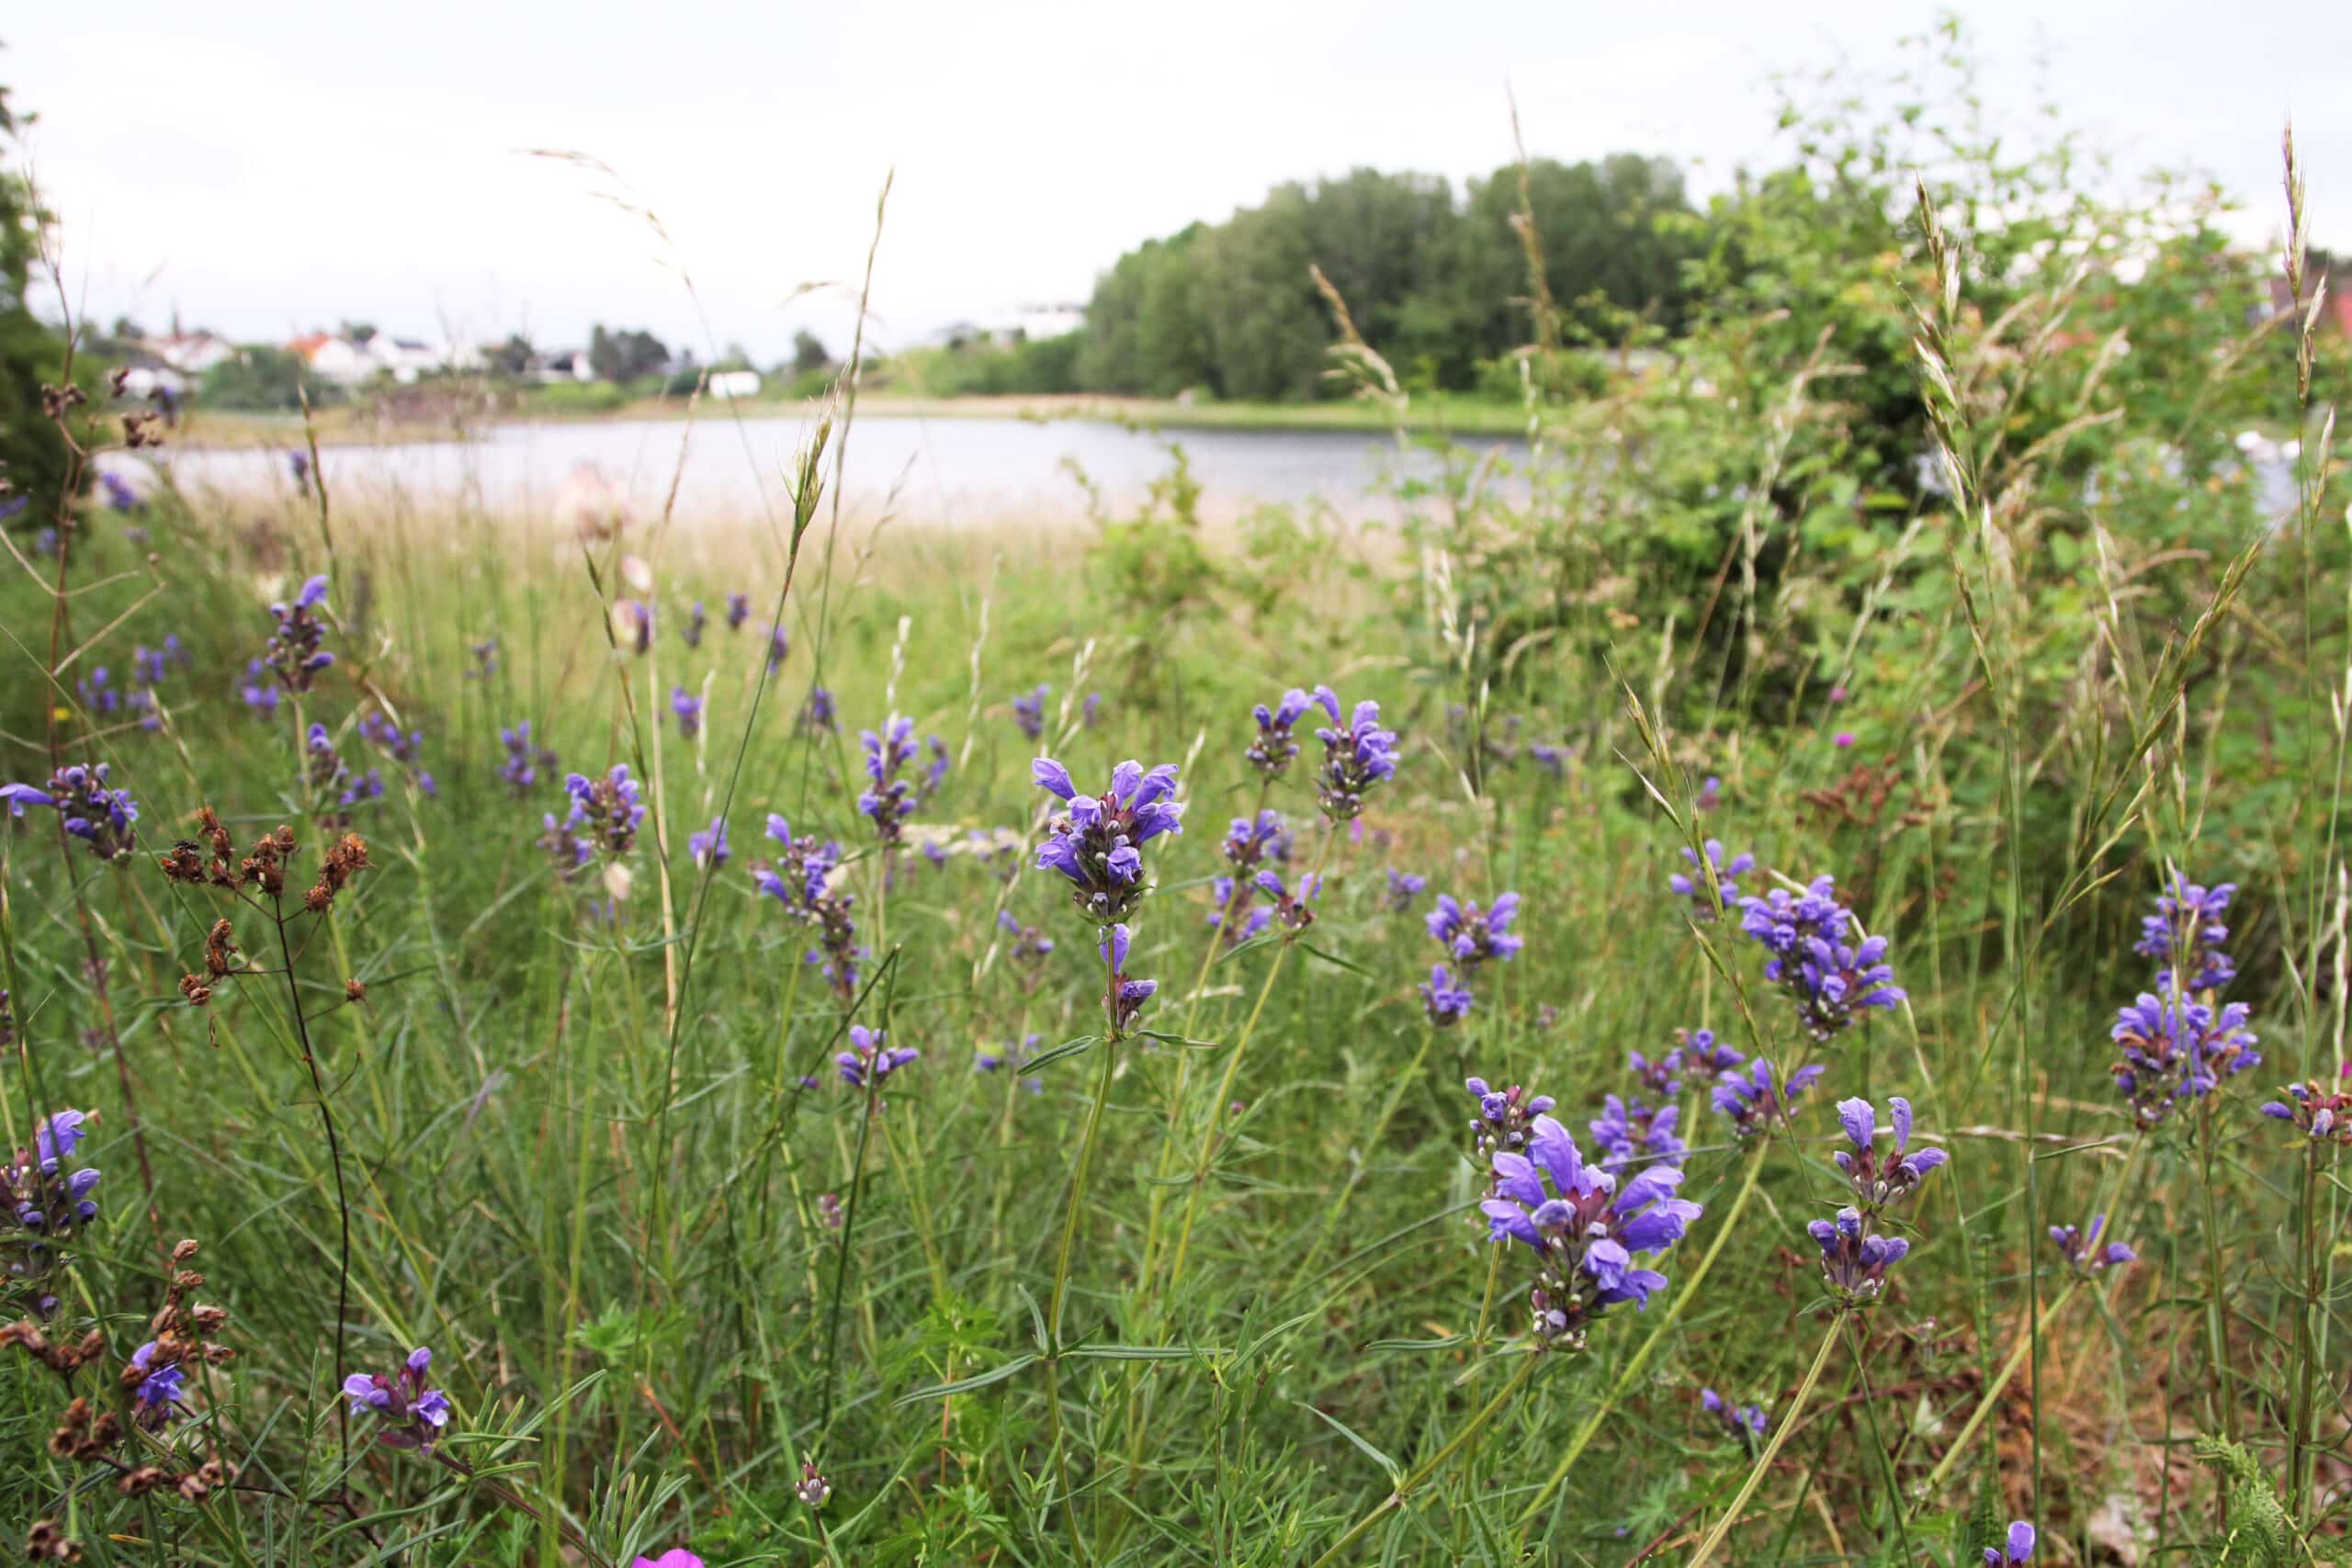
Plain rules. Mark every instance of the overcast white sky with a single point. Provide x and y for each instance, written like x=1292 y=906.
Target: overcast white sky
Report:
x=269 y=168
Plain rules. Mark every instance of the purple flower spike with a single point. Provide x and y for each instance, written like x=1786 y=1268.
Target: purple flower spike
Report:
x=1355 y=760
x=1097 y=845
x=1029 y=712
x=1880 y=1180
x=1829 y=977
x=2018 y=1548
x=1584 y=1229
x=870 y=1059
x=2316 y=1109
x=1126 y=997
x=1505 y=1116
x=2172 y=1053
x=1273 y=750
x=2082 y=1250
x=1445 y=1002
x=1854 y=1258
x=412 y=1414
x=1473 y=935
x=295 y=650
x=1714 y=886
x=2187 y=927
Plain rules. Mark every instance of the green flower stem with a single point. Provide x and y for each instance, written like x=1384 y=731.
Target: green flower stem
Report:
x=1404 y=1489
x=1682 y=1299
x=1788 y=1421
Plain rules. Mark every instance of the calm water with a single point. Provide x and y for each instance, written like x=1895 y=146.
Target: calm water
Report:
x=943 y=470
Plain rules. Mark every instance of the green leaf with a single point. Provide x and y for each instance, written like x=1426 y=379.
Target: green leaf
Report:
x=1067 y=1048
x=1013 y=1368
x=1381 y=1459
x=1334 y=959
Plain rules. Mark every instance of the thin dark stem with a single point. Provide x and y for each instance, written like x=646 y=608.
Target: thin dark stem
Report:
x=334 y=1158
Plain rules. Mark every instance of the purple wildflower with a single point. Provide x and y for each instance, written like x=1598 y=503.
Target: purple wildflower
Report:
x=691 y=628
x=1880 y=1181
x=524 y=760
x=1505 y=1116
x=1098 y=843
x=871 y=1057
x=888 y=800
x=1747 y=1421
x=802 y=882
x=688 y=710
x=2187 y=925
x=1751 y=1101
x=120 y=496
x=1031 y=948
x=1404 y=886
x=102 y=817
x=1272 y=751
x=413 y=1415
x=1445 y=1002
x=1354 y=759
x=294 y=650
x=1585 y=1229
x=817 y=714
x=160 y=1386
x=1716 y=888
x=1012 y=1058
x=708 y=848
x=812 y=1488
x=1854 y=1260
x=2018 y=1549
x=1124 y=998
x=2082 y=1249
x=1237 y=914
x=1290 y=911
x=2319 y=1111
x=633 y=624
x=2174 y=1051
x=1473 y=935
x=610 y=808
x=259 y=692
x=779 y=646
x=1828 y=977
x=98 y=692
x=1632 y=1133
x=1029 y=712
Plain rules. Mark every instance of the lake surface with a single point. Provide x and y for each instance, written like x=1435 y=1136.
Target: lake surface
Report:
x=953 y=471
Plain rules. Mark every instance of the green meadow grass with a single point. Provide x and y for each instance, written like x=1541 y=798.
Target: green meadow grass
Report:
x=1216 y=1292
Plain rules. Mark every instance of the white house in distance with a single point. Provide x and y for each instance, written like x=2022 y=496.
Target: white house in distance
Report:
x=406 y=360
x=733 y=384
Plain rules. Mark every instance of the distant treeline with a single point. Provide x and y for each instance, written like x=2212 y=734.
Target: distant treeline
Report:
x=1434 y=278
x=1429 y=278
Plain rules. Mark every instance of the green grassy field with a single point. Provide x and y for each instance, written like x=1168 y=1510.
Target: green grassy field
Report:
x=423 y=1046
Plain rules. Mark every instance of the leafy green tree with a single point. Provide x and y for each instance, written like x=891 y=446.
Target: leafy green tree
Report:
x=809 y=353
x=33 y=456
x=259 y=377
x=626 y=354
x=512 y=358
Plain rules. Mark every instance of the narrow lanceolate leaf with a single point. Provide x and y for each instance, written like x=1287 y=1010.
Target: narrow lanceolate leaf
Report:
x=1067 y=1048
x=1381 y=1459
x=965 y=1385
x=1333 y=958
